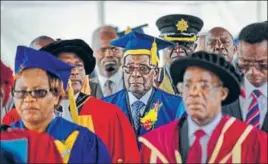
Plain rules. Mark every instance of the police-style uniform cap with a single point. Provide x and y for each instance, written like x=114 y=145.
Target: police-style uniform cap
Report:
x=214 y=63
x=77 y=46
x=179 y=27
x=30 y=58
x=138 y=29
x=136 y=43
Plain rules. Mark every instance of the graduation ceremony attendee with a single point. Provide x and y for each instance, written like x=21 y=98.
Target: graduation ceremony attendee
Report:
x=108 y=60
x=40 y=81
x=205 y=135
x=104 y=119
x=220 y=41
x=30 y=151
x=145 y=106
x=6 y=82
x=183 y=31
x=251 y=106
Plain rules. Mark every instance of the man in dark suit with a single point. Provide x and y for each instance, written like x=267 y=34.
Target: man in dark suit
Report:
x=251 y=106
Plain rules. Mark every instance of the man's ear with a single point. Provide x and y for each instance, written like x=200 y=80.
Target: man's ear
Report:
x=235 y=49
x=224 y=93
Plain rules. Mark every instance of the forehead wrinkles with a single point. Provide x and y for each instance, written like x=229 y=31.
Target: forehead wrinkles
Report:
x=144 y=59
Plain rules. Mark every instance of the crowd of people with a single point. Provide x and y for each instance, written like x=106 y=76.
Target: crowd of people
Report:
x=68 y=102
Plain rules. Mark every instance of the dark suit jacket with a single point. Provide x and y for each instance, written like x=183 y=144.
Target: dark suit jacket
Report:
x=95 y=90
x=234 y=110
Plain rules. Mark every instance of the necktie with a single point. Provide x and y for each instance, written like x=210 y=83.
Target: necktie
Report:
x=195 y=152
x=108 y=88
x=253 y=115
x=136 y=107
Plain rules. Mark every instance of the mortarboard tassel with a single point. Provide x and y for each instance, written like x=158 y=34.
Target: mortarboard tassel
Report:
x=73 y=109
x=128 y=30
x=86 y=88
x=154 y=58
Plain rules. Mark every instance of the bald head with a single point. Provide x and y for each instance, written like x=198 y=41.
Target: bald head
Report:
x=108 y=58
x=219 y=40
x=103 y=35
x=41 y=41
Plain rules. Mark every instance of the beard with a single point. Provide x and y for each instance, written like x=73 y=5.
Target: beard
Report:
x=110 y=67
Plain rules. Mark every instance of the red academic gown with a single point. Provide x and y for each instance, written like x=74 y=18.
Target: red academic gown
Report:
x=39 y=147
x=108 y=122
x=162 y=144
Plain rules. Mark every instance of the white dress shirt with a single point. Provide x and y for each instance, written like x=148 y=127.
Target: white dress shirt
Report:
x=262 y=100
x=144 y=99
x=208 y=129
x=65 y=108
x=117 y=82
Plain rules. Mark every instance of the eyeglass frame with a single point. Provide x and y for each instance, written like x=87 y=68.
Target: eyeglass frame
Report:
x=131 y=72
x=31 y=92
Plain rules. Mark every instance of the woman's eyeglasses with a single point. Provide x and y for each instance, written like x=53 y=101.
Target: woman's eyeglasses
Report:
x=37 y=93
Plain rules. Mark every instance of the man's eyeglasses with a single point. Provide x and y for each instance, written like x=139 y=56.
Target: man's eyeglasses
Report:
x=183 y=50
x=37 y=93
x=142 y=69
x=247 y=66
x=204 y=86
x=80 y=67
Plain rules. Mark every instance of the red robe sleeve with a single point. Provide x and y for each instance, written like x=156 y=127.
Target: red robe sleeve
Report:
x=114 y=129
x=11 y=117
x=41 y=147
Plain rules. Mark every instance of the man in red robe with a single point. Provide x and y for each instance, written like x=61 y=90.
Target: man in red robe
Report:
x=204 y=134
x=104 y=119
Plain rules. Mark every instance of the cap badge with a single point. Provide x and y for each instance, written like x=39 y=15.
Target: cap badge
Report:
x=182 y=25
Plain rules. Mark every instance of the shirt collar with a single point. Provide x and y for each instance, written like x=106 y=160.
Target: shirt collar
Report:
x=144 y=98
x=116 y=78
x=249 y=88
x=208 y=129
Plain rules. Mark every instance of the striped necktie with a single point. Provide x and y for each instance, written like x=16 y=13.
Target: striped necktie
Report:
x=253 y=115
x=136 y=107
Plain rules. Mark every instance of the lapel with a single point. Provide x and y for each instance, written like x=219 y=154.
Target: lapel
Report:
x=233 y=110
x=81 y=99
x=183 y=139
x=265 y=123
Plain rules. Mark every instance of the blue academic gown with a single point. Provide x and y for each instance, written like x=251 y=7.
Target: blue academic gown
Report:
x=87 y=147
x=171 y=108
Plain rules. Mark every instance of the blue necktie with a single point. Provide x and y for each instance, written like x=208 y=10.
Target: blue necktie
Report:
x=136 y=107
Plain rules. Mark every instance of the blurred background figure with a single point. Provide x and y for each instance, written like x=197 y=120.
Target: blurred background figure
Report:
x=41 y=41
x=251 y=107
x=6 y=82
x=201 y=42
x=220 y=41
x=183 y=31
x=108 y=60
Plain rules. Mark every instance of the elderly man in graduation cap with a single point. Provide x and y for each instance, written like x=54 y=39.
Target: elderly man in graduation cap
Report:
x=39 y=86
x=104 y=119
x=205 y=135
x=145 y=106
x=183 y=31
